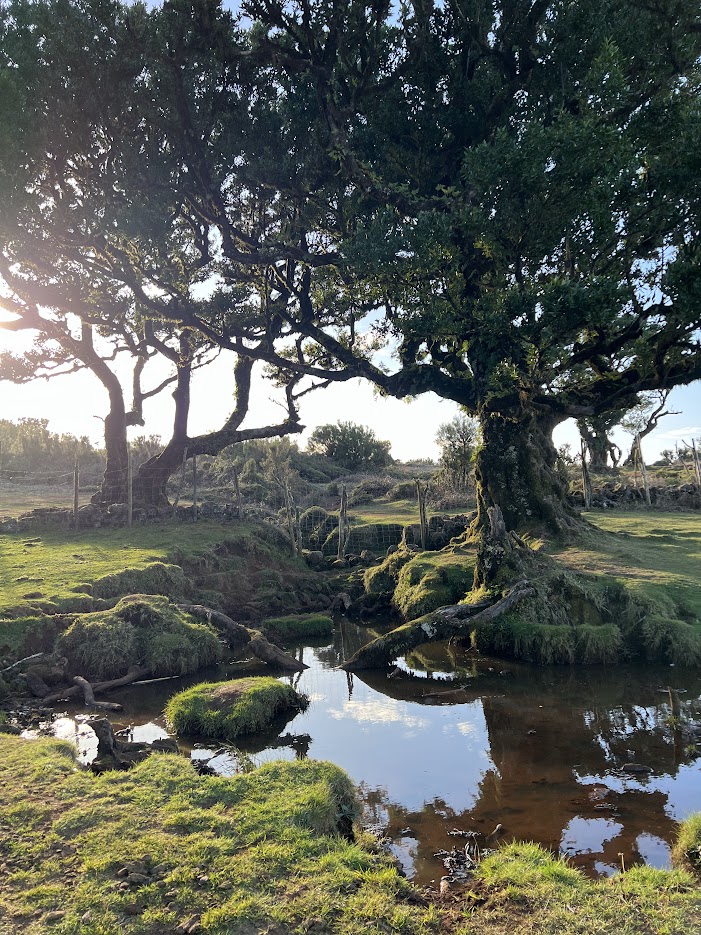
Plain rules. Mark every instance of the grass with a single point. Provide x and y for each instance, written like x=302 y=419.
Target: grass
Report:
x=260 y=852
x=399 y=511
x=226 y=710
x=61 y=571
x=299 y=626
x=657 y=555
x=142 y=630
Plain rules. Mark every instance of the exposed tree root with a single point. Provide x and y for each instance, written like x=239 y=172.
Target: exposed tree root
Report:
x=135 y=674
x=89 y=696
x=454 y=620
x=239 y=637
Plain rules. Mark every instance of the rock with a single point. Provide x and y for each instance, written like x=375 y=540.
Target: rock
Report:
x=636 y=769
x=367 y=555
x=391 y=550
x=190 y=925
x=86 y=917
x=54 y=916
x=315 y=558
x=138 y=879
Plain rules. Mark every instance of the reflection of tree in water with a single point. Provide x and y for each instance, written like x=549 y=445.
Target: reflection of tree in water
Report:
x=557 y=738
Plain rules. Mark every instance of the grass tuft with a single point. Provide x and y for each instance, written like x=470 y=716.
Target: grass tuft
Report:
x=227 y=710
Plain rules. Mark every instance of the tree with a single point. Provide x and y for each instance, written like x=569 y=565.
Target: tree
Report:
x=509 y=190
x=522 y=182
x=354 y=447
x=643 y=419
x=80 y=252
x=457 y=440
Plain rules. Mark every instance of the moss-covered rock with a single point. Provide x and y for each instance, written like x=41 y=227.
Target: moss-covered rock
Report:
x=143 y=630
x=156 y=578
x=432 y=580
x=226 y=710
x=298 y=626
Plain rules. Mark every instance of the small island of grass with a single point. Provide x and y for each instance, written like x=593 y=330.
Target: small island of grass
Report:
x=226 y=710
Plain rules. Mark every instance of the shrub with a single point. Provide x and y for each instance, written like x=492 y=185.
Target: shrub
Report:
x=226 y=710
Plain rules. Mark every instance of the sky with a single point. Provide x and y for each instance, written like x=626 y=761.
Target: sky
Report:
x=77 y=403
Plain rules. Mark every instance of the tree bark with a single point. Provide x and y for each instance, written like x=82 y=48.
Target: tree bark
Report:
x=454 y=620
x=516 y=469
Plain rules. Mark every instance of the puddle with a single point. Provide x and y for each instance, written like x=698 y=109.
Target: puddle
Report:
x=442 y=744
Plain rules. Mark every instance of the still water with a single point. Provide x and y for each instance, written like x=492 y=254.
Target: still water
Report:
x=444 y=743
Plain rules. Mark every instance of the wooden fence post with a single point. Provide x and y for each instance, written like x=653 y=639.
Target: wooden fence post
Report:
x=342 y=522
x=76 y=486
x=130 y=491
x=181 y=483
x=237 y=490
x=643 y=469
x=194 y=488
x=586 y=478
x=423 y=522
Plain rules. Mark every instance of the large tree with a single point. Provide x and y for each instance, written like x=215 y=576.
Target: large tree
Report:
x=507 y=189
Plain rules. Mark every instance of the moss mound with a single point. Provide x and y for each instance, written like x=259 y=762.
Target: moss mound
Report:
x=156 y=578
x=382 y=579
x=300 y=625
x=143 y=630
x=432 y=580
x=226 y=710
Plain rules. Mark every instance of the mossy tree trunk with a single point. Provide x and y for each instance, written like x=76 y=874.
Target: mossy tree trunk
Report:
x=516 y=470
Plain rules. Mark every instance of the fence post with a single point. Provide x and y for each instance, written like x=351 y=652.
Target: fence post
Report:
x=182 y=482
x=76 y=485
x=586 y=479
x=194 y=487
x=290 y=523
x=130 y=492
x=421 y=497
x=697 y=465
x=342 y=521
x=643 y=469
x=237 y=489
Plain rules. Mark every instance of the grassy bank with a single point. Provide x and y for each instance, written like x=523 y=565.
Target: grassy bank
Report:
x=146 y=851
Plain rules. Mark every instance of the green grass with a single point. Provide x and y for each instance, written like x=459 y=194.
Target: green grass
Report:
x=143 y=630
x=687 y=850
x=657 y=555
x=226 y=710
x=56 y=571
x=299 y=626
x=260 y=852
x=398 y=511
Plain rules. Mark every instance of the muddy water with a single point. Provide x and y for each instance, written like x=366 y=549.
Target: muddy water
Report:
x=444 y=743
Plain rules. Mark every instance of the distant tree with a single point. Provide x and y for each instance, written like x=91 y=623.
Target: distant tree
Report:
x=30 y=450
x=354 y=447
x=457 y=440
x=644 y=418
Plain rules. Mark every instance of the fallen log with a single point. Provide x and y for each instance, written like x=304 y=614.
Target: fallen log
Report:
x=135 y=674
x=239 y=637
x=235 y=634
x=89 y=696
x=452 y=620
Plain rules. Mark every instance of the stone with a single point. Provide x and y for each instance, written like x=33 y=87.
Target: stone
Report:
x=54 y=916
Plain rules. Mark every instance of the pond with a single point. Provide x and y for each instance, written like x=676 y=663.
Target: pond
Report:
x=445 y=743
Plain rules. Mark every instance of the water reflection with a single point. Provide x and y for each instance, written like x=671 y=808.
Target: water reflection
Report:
x=444 y=742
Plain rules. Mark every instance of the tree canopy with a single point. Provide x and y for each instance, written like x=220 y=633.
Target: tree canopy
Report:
x=354 y=447
x=507 y=190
